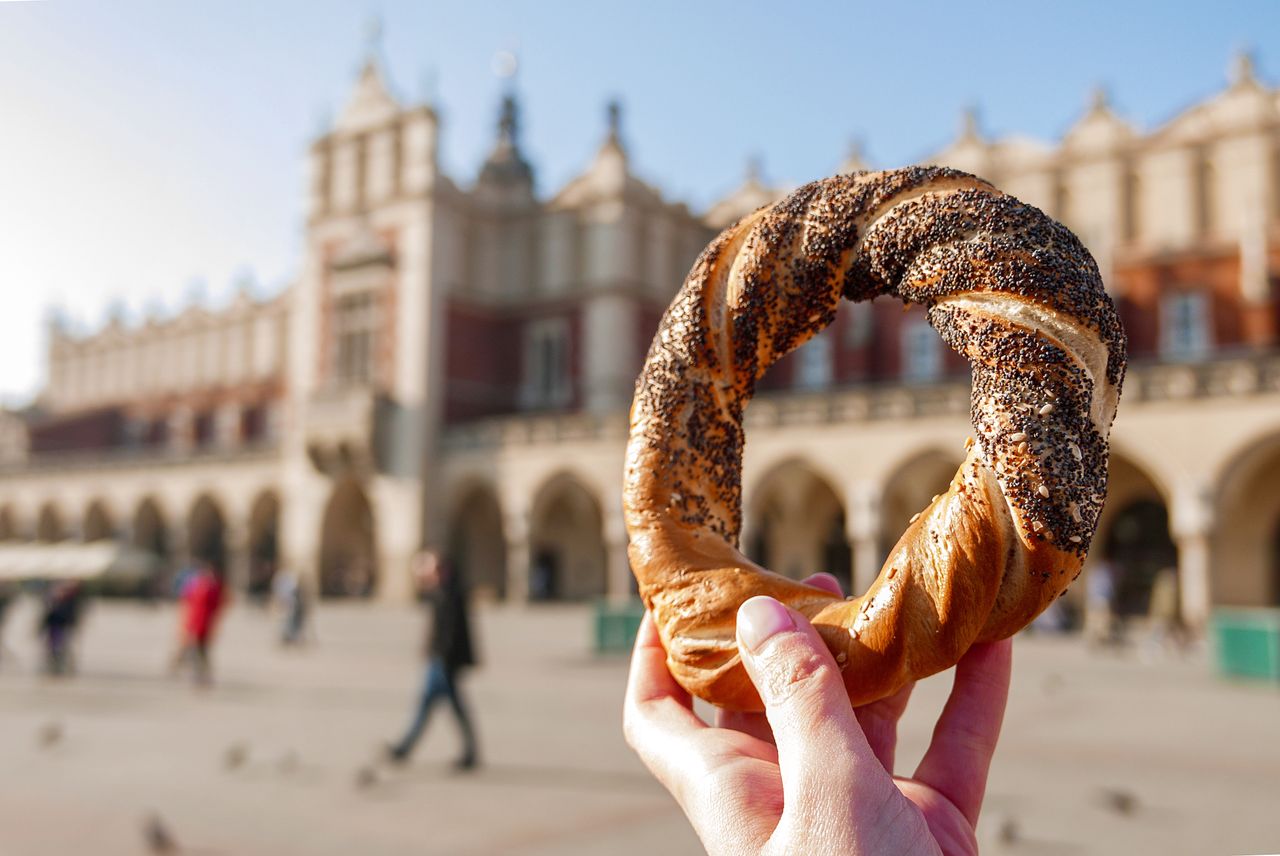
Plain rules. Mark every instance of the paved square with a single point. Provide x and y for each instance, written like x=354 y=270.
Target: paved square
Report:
x=1101 y=754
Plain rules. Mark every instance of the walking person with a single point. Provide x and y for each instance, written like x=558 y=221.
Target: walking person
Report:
x=290 y=593
x=202 y=601
x=8 y=594
x=449 y=652
x=58 y=626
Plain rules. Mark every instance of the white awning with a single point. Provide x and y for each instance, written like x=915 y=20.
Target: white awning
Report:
x=70 y=560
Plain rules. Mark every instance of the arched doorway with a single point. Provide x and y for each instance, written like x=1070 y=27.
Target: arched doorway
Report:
x=49 y=526
x=207 y=534
x=796 y=525
x=476 y=546
x=98 y=525
x=567 y=543
x=1139 y=547
x=150 y=532
x=1246 y=550
x=1133 y=536
x=264 y=522
x=348 y=547
x=909 y=491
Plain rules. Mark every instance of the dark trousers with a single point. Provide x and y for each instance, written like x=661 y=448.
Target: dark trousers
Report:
x=441 y=685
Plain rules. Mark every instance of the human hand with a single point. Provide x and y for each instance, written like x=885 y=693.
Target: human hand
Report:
x=811 y=774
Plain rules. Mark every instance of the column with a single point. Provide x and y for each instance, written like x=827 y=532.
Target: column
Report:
x=862 y=525
x=235 y=539
x=1191 y=525
x=516 y=527
x=618 y=577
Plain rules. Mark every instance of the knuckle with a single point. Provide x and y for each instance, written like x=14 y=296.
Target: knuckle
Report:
x=799 y=677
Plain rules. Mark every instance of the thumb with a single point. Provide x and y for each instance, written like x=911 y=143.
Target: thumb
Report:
x=822 y=750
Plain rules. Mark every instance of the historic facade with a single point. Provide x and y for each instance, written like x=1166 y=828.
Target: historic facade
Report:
x=454 y=362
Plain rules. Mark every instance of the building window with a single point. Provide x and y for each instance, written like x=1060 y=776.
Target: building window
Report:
x=355 y=324
x=1185 y=333
x=921 y=352
x=814 y=369
x=546 y=381
x=857 y=331
x=204 y=429
x=253 y=423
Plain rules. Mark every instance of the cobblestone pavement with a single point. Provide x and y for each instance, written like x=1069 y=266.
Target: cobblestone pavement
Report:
x=1101 y=754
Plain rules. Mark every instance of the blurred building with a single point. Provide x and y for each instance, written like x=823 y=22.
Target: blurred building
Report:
x=454 y=363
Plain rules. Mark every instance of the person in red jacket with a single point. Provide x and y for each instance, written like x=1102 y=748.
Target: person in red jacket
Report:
x=202 y=599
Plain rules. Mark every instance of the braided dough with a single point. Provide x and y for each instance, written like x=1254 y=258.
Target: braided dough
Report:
x=1006 y=286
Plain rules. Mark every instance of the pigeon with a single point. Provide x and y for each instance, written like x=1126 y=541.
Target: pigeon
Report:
x=157 y=835
x=1120 y=801
x=49 y=735
x=1001 y=830
x=366 y=777
x=235 y=756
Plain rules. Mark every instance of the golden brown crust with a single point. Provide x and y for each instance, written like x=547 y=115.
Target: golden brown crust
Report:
x=1006 y=286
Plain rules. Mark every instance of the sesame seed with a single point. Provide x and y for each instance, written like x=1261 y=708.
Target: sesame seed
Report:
x=1046 y=410
x=935 y=499
x=1075 y=451
x=1017 y=436
x=1074 y=539
x=914 y=517
x=1043 y=490
x=1037 y=525
x=1075 y=512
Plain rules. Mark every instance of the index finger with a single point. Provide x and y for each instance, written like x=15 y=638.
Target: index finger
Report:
x=959 y=756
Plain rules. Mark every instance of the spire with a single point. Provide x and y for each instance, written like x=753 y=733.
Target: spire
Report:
x=371 y=103
x=854 y=159
x=1243 y=74
x=969 y=124
x=372 y=40
x=1099 y=100
x=613 y=113
x=506 y=162
x=508 y=121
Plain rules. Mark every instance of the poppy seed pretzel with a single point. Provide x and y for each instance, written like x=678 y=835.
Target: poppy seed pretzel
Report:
x=1006 y=286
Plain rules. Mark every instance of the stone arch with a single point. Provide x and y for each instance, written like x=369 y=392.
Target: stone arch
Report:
x=477 y=546
x=796 y=524
x=264 y=541
x=1133 y=536
x=909 y=489
x=98 y=523
x=49 y=523
x=207 y=533
x=1247 y=541
x=151 y=531
x=566 y=540
x=348 y=559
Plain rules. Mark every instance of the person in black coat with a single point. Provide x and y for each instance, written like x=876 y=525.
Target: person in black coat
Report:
x=449 y=652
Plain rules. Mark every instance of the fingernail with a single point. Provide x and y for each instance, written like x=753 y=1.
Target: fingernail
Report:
x=760 y=618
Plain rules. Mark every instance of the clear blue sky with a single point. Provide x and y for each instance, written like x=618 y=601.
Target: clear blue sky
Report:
x=150 y=151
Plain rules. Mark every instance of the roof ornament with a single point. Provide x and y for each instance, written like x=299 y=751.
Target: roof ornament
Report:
x=969 y=124
x=613 y=116
x=1243 y=74
x=1099 y=99
x=372 y=39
